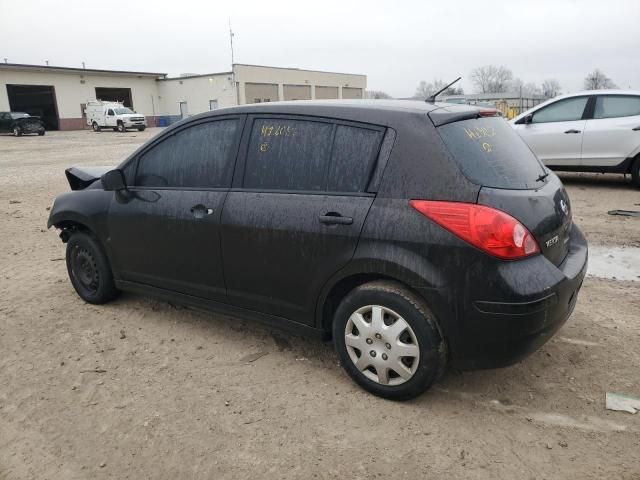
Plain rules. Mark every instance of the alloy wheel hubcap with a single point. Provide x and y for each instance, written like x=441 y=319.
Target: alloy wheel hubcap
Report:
x=382 y=345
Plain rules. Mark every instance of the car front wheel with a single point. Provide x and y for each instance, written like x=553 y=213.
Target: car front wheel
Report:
x=89 y=269
x=120 y=127
x=388 y=340
x=17 y=132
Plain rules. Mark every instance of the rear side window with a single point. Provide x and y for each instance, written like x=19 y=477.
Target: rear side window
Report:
x=200 y=156
x=566 y=110
x=306 y=155
x=490 y=153
x=355 y=151
x=610 y=106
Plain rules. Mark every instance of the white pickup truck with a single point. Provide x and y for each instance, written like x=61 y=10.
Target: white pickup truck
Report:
x=113 y=115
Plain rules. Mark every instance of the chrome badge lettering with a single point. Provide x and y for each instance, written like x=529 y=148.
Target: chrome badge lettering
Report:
x=551 y=241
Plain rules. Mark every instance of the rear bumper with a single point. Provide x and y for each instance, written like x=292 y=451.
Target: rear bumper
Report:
x=537 y=298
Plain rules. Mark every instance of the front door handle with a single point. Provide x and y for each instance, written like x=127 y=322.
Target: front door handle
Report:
x=199 y=211
x=572 y=131
x=333 y=218
x=636 y=129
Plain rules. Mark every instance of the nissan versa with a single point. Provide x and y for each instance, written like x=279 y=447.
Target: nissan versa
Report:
x=414 y=234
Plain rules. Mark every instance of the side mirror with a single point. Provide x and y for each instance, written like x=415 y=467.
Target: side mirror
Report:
x=528 y=119
x=113 y=180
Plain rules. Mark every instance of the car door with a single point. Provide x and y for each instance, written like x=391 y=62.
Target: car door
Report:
x=110 y=118
x=295 y=213
x=5 y=122
x=164 y=231
x=613 y=134
x=556 y=130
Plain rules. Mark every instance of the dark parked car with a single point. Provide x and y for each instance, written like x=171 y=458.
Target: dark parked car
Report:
x=20 y=123
x=416 y=235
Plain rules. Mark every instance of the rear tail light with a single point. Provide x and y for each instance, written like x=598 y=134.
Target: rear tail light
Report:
x=488 y=112
x=492 y=231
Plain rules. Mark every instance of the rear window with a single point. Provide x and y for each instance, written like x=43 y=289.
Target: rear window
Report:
x=490 y=153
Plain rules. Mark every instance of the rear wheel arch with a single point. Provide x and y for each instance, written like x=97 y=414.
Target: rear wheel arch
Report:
x=634 y=169
x=341 y=288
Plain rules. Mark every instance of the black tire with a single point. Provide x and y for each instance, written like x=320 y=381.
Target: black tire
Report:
x=431 y=345
x=89 y=269
x=635 y=172
x=17 y=132
x=95 y=126
x=115 y=129
x=41 y=132
x=141 y=129
x=121 y=128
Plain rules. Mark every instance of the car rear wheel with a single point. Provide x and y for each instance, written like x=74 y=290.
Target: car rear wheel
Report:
x=388 y=340
x=41 y=132
x=141 y=129
x=635 y=172
x=17 y=132
x=120 y=127
x=89 y=269
x=95 y=126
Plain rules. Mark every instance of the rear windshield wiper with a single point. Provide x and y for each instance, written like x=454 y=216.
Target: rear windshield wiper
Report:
x=542 y=177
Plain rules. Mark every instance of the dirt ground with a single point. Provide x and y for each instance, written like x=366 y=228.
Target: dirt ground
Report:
x=142 y=389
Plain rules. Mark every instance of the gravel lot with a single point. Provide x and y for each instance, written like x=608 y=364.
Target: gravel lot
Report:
x=180 y=394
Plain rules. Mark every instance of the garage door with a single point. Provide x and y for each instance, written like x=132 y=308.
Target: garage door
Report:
x=37 y=100
x=323 y=93
x=110 y=94
x=260 y=92
x=297 y=92
x=350 y=92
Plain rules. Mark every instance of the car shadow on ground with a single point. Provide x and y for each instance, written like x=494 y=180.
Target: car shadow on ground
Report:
x=505 y=385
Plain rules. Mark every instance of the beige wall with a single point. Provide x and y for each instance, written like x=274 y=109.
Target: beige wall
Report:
x=326 y=92
x=70 y=92
x=297 y=92
x=261 y=91
x=291 y=76
x=196 y=91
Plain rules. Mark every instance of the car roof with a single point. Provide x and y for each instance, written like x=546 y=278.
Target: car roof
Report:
x=382 y=112
x=576 y=94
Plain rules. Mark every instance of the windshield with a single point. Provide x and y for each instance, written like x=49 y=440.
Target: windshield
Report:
x=490 y=153
x=122 y=110
x=16 y=115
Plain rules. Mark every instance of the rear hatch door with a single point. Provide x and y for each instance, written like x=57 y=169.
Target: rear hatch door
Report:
x=490 y=153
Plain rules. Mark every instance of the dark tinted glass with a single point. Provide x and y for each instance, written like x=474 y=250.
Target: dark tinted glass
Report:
x=196 y=157
x=288 y=155
x=490 y=153
x=354 y=153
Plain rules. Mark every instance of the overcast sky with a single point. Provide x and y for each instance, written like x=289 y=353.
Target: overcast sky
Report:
x=396 y=44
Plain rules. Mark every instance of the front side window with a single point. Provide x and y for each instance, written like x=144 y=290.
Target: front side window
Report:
x=611 y=106
x=566 y=110
x=201 y=156
x=110 y=112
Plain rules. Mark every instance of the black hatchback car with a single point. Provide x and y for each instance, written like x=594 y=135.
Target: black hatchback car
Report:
x=416 y=235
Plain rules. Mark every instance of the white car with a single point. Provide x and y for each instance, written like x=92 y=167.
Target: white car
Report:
x=591 y=131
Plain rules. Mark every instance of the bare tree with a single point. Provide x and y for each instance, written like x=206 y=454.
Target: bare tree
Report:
x=425 y=89
x=377 y=94
x=597 y=80
x=491 y=79
x=550 y=87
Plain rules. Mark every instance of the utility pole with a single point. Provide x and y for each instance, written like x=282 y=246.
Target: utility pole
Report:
x=231 y=42
x=233 y=73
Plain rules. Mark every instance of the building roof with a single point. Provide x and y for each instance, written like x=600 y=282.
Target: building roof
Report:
x=298 y=69
x=495 y=96
x=56 y=69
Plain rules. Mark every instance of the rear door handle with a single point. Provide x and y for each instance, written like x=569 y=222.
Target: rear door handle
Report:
x=200 y=211
x=333 y=218
x=572 y=131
